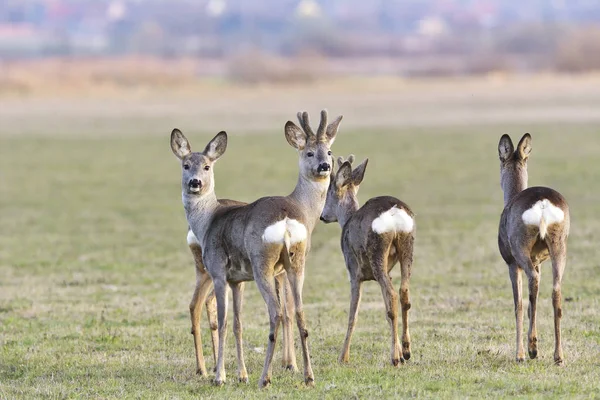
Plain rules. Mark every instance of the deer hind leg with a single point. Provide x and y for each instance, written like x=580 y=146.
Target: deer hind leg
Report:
x=378 y=259
x=296 y=279
x=558 y=254
x=266 y=284
x=237 y=289
x=406 y=258
x=203 y=286
x=533 y=276
x=516 y=280
x=288 y=360
x=355 y=293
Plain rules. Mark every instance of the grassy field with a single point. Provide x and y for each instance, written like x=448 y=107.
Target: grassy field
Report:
x=95 y=275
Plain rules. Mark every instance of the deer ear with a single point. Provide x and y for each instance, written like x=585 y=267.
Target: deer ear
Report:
x=359 y=172
x=505 y=148
x=179 y=144
x=332 y=129
x=344 y=175
x=216 y=147
x=295 y=136
x=525 y=146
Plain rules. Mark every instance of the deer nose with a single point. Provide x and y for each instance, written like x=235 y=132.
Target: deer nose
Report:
x=195 y=183
x=324 y=167
x=321 y=218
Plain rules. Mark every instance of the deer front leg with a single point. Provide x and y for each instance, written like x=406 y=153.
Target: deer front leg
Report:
x=237 y=289
x=221 y=295
x=355 y=293
x=211 y=313
x=203 y=286
x=296 y=278
x=515 y=278
x=266 y=284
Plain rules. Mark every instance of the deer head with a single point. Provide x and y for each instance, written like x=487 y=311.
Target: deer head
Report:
x=197 y=174
x=314 y=149
x=513 y=165
x=343 y=189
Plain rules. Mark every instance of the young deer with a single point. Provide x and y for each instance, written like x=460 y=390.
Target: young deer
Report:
x=534 y=226
x=257 y=241
x=204 y=285
x=374 y=237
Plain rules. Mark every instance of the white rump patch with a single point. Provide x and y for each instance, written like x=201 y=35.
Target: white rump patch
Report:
x=276 y=233
x=542 y=214
x=393 y=220
x=192 y=239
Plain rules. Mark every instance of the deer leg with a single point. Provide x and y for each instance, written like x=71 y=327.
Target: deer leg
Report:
x=355 y=293
x=211 y=313
x=221 y=295
x=266 y=284
x=237 y=289
x=515 y=278
x=405 y=272
x=296 y=279
x=287 y=301
x=558 y=254
x=534 y=285
x=203 y=286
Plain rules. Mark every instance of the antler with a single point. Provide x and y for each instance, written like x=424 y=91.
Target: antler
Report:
x=341 y=160
x=305 y=124
x=321 y=132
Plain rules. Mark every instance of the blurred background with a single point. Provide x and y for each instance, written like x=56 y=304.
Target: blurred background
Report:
x=228 y=55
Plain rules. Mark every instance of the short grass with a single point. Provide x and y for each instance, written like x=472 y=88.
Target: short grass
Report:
x=95 y=276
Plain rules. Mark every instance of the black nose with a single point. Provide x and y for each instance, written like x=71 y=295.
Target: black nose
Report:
x=195 y=183
x=321 y=218
x=323 y=167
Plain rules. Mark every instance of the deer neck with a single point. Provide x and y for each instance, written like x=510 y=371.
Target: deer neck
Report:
x=346 y=209
x=513 y=184
x=199 y=211
x=310 y=194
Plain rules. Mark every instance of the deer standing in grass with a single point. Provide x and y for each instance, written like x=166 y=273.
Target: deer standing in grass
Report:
x=204 y=283
x=258 y=240
x=534 y=226
x=374 y=238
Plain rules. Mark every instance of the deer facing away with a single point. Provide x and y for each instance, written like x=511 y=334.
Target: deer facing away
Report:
x=534 y=226
x=374 y=238
x=250 y=242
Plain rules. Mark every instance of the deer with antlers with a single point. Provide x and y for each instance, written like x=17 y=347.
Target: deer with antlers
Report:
x=534 y=226
x=258 y=240
x=374 y=238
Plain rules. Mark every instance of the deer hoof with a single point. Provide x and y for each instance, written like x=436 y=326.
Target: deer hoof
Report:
x=218 y=382
x=520 y=359
x=243 y=379
x=291 y=367
x=533 y=354
x=559 y=362
x=310 y=381
x=264 y=383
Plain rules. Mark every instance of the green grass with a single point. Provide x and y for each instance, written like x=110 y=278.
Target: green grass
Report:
x=95 y=275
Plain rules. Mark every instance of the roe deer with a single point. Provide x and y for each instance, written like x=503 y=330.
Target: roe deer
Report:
x=256 y=241
x=374 y=238
x=204 y=285
x=533 y=226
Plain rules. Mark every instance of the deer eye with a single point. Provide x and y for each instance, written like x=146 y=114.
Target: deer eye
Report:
x=186 y=166
x=310 y=154
x=206 y=167
x=329 y=153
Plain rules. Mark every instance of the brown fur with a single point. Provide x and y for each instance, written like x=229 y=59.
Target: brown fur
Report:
x=522 y=246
